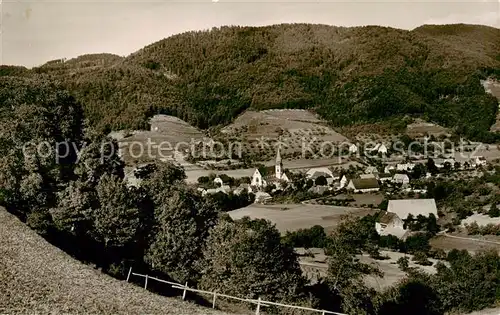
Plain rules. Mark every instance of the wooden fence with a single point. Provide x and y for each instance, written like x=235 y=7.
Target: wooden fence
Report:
x=260 y=303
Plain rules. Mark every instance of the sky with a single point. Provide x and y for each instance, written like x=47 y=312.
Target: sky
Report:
x=33 y=32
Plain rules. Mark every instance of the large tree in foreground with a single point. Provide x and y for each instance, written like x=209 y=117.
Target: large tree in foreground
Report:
x=40 y=127
x=246 y=258
x=182 y=219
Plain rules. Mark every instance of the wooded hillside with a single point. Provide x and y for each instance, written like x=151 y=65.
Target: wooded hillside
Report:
x=348 y=75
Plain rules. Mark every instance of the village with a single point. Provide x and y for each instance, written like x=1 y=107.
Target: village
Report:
x=396 y=189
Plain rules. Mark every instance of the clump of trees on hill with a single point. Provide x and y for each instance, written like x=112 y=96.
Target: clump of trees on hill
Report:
x=389 y=74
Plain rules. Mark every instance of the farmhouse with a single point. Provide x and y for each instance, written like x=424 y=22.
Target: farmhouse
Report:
x=398 y=210
x=401 y=179
x=314 y=173
x=389 y=168
x=264 y=176
x=391 y=224
x=353 y=149
x=379 y=148
x=384 y=177
x=415 y=207
x=363 y=185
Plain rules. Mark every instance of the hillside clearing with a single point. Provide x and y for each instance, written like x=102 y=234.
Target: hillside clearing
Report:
x=36 y=277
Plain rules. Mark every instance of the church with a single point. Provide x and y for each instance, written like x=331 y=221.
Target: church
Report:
x=269 y=175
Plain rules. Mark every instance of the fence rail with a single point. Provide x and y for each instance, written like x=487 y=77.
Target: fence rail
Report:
x=260 y=303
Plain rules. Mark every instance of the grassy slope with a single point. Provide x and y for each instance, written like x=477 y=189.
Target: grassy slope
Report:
x=36 y=277
x=349 y=75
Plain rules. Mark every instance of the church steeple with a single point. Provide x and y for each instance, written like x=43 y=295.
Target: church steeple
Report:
x=279 y=165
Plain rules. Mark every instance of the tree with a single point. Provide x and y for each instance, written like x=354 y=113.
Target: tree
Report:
x=247 y=258
x=403 y=263
x=37 y=155
x=117 y=220
x=321 y=181
x=431 y=166
x=494 y=212
x=345 y=272
x=418 y=171
x=182 y=221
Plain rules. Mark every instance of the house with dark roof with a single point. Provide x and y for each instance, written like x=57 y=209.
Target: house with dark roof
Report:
x=363 y=185
x=268 y=175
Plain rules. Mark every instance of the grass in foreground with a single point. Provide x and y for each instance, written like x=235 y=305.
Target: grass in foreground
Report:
x=36 y=277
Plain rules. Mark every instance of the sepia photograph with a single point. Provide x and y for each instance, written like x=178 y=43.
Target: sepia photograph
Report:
x=240 y=157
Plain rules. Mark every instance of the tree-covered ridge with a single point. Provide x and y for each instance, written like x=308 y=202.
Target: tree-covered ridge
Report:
x=348 y=75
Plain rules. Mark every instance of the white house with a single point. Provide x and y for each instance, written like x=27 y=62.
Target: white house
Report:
x=389 y=168
x=404 y=167
x=398 y=210
x=382 y=149
x=401 y=179
x=371 y=170
x=363 y=185
x=480 y=161
x=344 y=181
x=264 y=176
x=353 y=149
x=314 y=173
x=218 y=181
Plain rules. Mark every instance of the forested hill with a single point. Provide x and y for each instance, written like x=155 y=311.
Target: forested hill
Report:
x=348 y=75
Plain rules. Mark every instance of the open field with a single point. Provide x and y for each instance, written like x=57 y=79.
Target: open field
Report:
x=291 y=217
x=38 y=278
x=471 y=244
x=373 y=199
x=169 y=134
x=318 y=265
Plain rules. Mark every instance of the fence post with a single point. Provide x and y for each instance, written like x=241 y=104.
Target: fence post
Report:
x=213 y=301
x=323 y=313
x=257 y=311
x=129 y=272
x=184 y=293
x=146 y=283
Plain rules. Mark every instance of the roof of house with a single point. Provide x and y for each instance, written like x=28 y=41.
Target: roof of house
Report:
x=416 y=207
x=266 y=171
x=319 y=174
x=371 y=169
x=365 y=183
x=400 y=176
x=363 y=176
x=384 y=175
x=387 y=217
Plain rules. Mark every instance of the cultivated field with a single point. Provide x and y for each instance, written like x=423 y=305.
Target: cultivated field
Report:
x=173 y=135
x=318 y=265
x=291 y=217
x=295 y=128
x=420 y=128
x=38 y=278
x=471 y=244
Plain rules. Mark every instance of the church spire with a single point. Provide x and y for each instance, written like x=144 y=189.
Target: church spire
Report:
x=279 y=165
